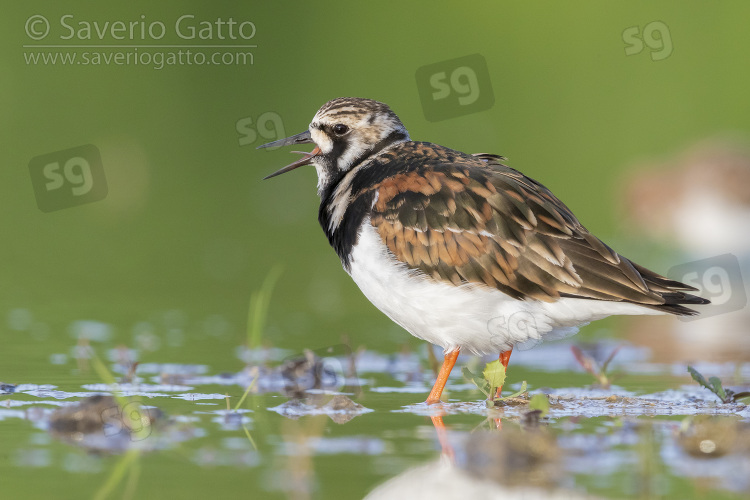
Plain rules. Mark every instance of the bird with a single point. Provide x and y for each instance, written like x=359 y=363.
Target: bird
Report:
x=459 y=249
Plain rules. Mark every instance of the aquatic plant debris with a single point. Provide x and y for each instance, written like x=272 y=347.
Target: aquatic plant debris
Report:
x=340 y=408
x=7 y=388
x=493 y=377
x=714 y=385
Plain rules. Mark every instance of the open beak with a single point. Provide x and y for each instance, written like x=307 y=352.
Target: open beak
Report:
x=303 y=138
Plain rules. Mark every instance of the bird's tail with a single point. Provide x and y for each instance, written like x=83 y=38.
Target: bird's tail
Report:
x=673 y=292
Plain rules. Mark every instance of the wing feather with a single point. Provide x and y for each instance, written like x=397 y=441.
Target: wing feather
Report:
x=474 y=220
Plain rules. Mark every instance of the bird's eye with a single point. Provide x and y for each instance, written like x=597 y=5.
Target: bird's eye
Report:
x=340 y=129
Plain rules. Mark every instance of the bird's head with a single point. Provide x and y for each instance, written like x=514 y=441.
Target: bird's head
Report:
x=345 y=131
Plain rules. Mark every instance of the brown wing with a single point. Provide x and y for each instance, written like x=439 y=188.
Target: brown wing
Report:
x=482 y=222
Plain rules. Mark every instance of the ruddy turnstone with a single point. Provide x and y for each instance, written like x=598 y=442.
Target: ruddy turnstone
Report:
x=459 y=249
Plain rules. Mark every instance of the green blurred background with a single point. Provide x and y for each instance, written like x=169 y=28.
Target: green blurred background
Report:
x=188 y=229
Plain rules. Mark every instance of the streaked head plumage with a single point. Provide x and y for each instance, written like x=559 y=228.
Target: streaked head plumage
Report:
x=346 y=131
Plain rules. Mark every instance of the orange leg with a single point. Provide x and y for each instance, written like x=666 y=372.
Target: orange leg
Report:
x=504 y=359
x=442 y=378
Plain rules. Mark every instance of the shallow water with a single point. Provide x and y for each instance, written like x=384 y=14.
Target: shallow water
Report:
x=338 y=425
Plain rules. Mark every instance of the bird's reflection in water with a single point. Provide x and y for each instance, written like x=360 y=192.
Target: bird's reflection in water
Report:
x=520 y=459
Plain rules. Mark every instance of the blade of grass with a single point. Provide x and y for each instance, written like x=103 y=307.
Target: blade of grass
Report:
x=117 y=474
x=249 y=437
x=258 y=310
x=250 y=387
x=132 y=482
x=103 y=372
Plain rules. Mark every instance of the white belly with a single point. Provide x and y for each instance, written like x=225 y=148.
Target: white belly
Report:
x=471 y=317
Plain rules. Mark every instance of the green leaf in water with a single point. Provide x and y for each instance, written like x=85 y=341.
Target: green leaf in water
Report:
x=539 y=402
x=713 y=384
x=475 y=379
x=718 y=388
x=699 y=378
x=494 y=374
